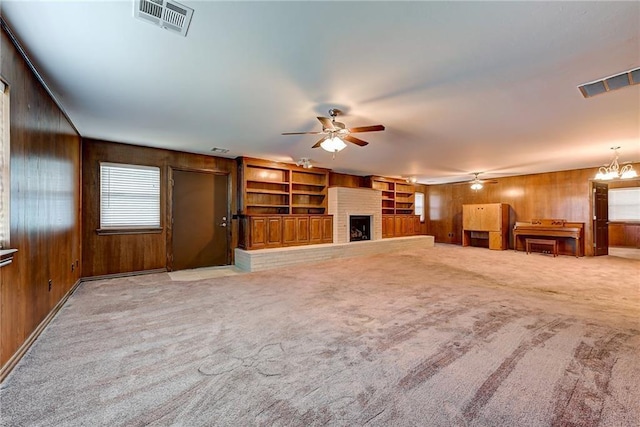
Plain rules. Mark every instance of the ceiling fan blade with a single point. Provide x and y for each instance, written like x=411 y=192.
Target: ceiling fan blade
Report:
x=317 y=144
x=373 y=128
x=355 y=140
x=327 y=124
x=301 y=133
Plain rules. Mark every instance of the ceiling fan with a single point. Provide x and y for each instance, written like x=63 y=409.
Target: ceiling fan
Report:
x=335 y=133
x=477 y=183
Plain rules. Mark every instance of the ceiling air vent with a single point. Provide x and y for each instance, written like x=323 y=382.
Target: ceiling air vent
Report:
x=169 y=15
x=618 y=81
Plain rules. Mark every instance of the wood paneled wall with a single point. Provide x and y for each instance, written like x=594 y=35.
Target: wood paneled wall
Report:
x=124 y=253
x=45 y=206
x=565 y=195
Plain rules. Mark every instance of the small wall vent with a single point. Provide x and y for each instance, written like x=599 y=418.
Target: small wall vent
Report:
x=618 y=81
x=165 y=14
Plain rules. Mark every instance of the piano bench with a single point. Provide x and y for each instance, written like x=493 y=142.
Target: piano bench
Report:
x=553 y=244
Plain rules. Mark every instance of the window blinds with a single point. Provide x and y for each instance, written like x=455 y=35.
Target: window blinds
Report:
x=624 y=204
x=419 y=205
x=129 y=196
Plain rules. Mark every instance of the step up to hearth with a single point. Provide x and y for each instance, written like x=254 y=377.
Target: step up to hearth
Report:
x=266 y=259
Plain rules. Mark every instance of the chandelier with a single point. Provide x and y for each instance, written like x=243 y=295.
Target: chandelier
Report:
x=305 y=162
x=614 y=171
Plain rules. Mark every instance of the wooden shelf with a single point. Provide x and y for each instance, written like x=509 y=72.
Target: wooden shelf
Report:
x=267 y=187
x=397 y=195
x=260 y=191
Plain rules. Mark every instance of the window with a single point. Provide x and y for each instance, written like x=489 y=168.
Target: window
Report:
x=419 y=206
x=624 y=204
x=129 y=196
x=5 y=174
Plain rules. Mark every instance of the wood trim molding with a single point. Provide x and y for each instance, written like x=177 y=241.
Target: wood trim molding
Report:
x=127 y=274
x=11 y=363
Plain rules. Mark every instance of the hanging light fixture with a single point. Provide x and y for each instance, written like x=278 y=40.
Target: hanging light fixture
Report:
x=476 y=184
x=305 y=162
x=333 y=144
x=614 y=171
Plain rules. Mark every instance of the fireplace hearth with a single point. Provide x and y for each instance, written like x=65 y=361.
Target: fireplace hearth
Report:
x=359 y=228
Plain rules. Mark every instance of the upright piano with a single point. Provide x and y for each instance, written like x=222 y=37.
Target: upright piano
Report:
x=559 y=229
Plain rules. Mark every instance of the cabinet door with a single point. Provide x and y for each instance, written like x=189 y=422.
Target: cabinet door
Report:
x=417 y=226
x=472 y=217
x=258 y=230
x=289 y=231
x=315 y=229
x=397 y=226
x=274 y=231
x=302 y=230
x=410 y=226
x=327 y=229
x=492 y=217
x=387 y=226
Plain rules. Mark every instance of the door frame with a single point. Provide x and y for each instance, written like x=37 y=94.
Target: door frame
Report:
x=592 y=216
x=169 y=214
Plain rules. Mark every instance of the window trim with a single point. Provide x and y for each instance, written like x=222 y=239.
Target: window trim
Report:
x=422 y=214
x=134 y=229
x=5 y=169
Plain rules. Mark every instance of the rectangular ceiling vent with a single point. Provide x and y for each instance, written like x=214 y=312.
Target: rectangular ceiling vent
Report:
x=618 y=81
x=165 y=14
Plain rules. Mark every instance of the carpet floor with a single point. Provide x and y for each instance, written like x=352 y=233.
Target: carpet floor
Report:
x=445 y=336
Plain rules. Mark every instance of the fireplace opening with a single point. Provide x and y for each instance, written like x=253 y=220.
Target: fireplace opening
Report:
x=360 y=228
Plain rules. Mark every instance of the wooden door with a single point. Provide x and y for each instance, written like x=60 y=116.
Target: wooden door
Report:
x=257 y=232
x=397 y=226
x=199 y=236
x=600 y=218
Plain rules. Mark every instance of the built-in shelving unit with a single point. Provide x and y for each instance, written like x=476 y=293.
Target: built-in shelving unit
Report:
x=281 y=188
x=398 y=196
x=398 y=206
x=281 y=204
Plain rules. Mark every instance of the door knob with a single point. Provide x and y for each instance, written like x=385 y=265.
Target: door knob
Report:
x=223 y=224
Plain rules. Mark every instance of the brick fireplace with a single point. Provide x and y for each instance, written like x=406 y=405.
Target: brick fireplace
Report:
x=345 y=203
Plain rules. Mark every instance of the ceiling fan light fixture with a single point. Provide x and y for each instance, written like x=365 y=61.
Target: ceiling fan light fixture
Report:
x=333 y=144
x=475 y=186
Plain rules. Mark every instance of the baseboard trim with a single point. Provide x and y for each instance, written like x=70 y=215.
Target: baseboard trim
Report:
x=128 y=274
x=13 y=361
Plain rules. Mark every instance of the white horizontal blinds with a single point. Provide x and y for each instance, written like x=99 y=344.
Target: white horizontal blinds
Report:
x=4 y=165
x=624 y=204
x=419 y=205
x=129 y=196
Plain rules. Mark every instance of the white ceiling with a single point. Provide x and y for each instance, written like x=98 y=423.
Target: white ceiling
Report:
x=460 y=86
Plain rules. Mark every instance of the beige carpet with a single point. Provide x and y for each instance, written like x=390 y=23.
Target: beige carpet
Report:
x=447 y=336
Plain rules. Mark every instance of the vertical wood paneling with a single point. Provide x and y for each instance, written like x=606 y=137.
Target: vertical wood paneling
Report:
x=45 y=205
x=122 y=253
x=563 y=195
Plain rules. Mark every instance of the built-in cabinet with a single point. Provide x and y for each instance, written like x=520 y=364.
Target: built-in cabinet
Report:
x=398 y=206
x=486 y=222
x=281 y=204
x=274 y=231
x=400 y=225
